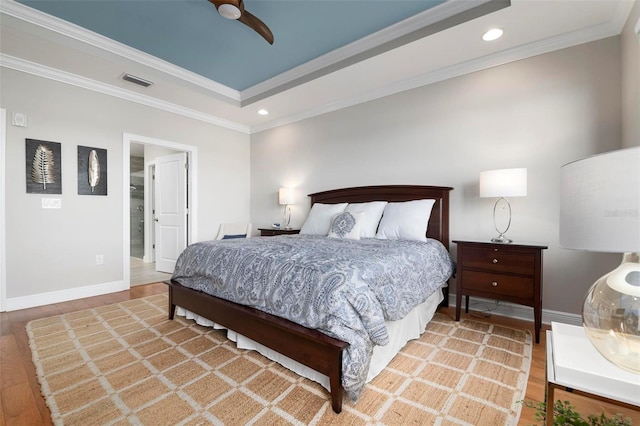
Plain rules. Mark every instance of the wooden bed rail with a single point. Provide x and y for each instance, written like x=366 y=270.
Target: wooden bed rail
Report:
x=309 y=347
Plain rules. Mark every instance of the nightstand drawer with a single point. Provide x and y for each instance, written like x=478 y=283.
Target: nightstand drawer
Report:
x=505 y=285
x=499 y=260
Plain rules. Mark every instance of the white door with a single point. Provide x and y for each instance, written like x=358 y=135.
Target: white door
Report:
x=170 y=210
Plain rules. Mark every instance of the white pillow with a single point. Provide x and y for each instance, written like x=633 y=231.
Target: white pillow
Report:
x=319 y=219
x=405 y=221
x=346 y=225
x=372 y=214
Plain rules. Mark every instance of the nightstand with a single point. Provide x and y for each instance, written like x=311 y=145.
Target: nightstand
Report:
x=271 y=232
x=509 y=272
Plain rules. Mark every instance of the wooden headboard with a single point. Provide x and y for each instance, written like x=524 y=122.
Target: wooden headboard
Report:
x=438 y=227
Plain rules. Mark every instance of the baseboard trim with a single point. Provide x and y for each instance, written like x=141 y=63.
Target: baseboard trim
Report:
x=513 y=310
x=505 y=309
x=41 y=299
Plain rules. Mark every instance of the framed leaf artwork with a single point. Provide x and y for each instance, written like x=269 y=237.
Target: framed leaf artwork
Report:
x=92 y=171
x=43 y=167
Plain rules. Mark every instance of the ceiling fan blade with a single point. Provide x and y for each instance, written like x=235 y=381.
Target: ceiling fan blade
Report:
x=256 y=24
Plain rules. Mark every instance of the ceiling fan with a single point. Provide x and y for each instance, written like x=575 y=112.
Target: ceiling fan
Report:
x=234 y=9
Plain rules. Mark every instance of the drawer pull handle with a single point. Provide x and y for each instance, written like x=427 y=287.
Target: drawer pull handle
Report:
x=495 y=283
x=495 y=260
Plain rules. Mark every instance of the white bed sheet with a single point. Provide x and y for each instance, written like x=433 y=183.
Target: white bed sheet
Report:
x=400 y=332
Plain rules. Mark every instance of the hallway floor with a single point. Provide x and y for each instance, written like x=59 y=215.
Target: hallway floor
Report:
x=145 y=273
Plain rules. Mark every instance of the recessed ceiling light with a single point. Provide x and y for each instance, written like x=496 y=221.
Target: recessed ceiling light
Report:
x=263 y=112
x=492 y=34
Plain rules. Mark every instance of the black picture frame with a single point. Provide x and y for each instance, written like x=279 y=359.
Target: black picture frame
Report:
x=84 y=186
x=43 y=167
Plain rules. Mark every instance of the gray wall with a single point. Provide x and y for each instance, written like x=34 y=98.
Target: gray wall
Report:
x=538 y=113
x=631 y=80
x=54 y=250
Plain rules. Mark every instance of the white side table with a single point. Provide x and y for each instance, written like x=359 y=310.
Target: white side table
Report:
x=574 y=365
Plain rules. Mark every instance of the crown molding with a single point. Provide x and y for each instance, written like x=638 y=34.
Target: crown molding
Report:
x=41 y=19
x=39 y=70
x=598 y=32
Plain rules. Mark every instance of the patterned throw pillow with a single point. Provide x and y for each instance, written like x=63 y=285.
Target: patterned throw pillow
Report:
x=346 y=225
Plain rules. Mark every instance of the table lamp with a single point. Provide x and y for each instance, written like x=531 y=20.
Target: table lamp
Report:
x=599 y=211
x=503 y=183
x=286 y=197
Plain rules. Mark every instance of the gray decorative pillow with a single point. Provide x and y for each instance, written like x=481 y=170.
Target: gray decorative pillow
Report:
x=346 y=225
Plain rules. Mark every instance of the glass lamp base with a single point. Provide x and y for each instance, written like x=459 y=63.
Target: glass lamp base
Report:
x=611 y=311
x=502 y=204
x=286 y=217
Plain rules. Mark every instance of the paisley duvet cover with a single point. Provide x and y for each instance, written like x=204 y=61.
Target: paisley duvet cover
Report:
x=343 y=288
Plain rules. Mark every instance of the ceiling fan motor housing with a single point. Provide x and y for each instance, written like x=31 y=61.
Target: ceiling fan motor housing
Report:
x=229 y=11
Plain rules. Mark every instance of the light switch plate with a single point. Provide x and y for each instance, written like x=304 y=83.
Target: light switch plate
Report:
x=52 y=203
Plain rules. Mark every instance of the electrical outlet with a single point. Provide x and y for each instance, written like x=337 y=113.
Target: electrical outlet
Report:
x=99 y=259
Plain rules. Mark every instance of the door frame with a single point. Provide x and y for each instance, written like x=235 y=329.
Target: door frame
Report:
x=3 y=235
x=149 y=255
x=192 y=193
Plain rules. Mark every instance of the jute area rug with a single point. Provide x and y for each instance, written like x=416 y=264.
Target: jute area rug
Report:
x=127 y=364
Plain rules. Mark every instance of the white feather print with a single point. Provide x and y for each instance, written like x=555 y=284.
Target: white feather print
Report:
x=93 y=169
x=42 y=166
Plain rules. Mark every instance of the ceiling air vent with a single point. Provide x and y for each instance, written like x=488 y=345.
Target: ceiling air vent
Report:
x=137 y=80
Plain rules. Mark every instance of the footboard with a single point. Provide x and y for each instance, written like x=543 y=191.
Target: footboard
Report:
x=306 y=346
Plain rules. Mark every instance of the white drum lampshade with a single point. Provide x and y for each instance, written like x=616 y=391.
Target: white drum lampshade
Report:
x=599 y=211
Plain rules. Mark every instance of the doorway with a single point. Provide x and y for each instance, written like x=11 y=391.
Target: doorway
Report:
x=142 y=266
x=139 y=158
x=3 y=159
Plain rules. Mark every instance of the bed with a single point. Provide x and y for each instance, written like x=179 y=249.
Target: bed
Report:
x=317 y=351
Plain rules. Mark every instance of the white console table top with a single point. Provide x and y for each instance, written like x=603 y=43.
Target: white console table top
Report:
x=572 y=361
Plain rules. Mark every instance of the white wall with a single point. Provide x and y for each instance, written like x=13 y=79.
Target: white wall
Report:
x=538 y=113
x=630 y=42
x=52 y=252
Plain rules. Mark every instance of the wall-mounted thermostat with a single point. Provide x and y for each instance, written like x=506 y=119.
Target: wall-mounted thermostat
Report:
x=19 y=119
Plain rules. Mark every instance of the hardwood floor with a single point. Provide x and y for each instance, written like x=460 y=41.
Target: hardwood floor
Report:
x=22 y=404
x=20 y=400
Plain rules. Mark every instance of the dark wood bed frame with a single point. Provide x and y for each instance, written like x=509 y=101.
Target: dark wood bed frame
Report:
x=310 y=347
